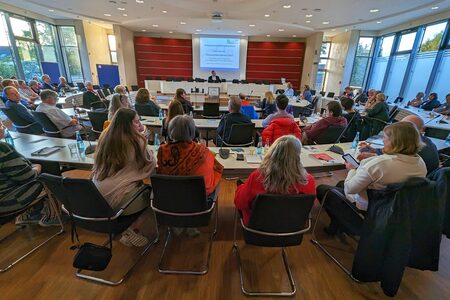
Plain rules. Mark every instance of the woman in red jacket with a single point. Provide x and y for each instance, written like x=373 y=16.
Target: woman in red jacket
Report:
x=281 y=172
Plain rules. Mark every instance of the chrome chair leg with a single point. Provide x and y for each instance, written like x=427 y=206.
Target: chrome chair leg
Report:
x=10 y=265
x=322 y=247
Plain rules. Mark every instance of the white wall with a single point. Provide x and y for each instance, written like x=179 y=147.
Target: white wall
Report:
x=125 y=55
x=336 y=63
x=311 y=59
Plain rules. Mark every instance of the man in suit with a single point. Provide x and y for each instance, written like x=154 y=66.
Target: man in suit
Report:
x=234 y=117
x=90 y=95
x=214 y=77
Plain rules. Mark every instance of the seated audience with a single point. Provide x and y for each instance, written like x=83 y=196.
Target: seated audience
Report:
x=117 y=101
x=431 y=103
x=34 y=86
x=23 y=96
x=281 y=103
x=398 y=163
x=184 y=157
x=181 y=96
x=244 y=101
x=68 y=125
x=63 y=86
x=175 y=109
x=122 y=161
x=307 y=95
x=25 y=90
x=11 y=83
x=47 y=83
x=352 y=116
x=333 y=117
x=371 y=99
x=377 y=116
x=348 y=92
x=416 y=102
x=289 y=90
x=234 y=117
x=281 y=172
x=445 y=107
x=35 y=78
x=214 y=77
x=428 y=152
x=268 y=104
x=14 y=103
x=144 y=101
x=90 y=95
x=120 y=89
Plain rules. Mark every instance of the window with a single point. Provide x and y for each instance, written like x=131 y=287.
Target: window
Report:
x=7 y=65
x=46 y=37
x=362 y=58
x=406 y=42
x=432 y=37
x=386 y=46
x=70 y=52
x=322 y=68
x=21 y=28
x=112 y=48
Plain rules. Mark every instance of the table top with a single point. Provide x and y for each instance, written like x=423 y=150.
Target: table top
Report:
x=199 y=108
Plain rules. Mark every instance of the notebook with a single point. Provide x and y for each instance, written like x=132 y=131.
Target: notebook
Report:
x=322 y=156
x=253 y=159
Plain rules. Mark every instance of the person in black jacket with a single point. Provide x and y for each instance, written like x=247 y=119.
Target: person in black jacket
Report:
x=47 y=83
x=180 y=96
x=90 y=95
x=213 y=77
x=234 y=117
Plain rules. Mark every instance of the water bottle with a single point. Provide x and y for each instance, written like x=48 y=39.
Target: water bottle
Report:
x=80 y=143
x=447 y=140
x=156 y=142
x=266 y=146
x=355 y=141
x=259 y=147
x=191 y=114
x=8 y=138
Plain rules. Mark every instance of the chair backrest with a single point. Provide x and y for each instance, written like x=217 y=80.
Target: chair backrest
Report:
x=81 y=86
x=96 y=87
x=300 y=111
x=313 y=92
x=48 y=126
x=134 y=88
x=98 y=105
x=235 y=81
x=211 y=109
x=392 y=111
x=188 y=197
x=101 y=94
x=21 y=124
x=106 y=85
x=241 y=134
x=244 y=81
x=398 y=99
x=249 y=111
x=54 y=184
x=297 y=92
x=279 y=91
x=97 y=119
x=279 y=214
x=330 y=135
x=330 y=94
x=106 y=92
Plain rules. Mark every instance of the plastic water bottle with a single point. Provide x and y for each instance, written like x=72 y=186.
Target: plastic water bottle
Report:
x=447 y=140
x=161 y=115
x=355 y=141
x=8 y=138
x=259 y=147
x=156 y=142
x=191 y=114
x=80 y=143
x=266 y=146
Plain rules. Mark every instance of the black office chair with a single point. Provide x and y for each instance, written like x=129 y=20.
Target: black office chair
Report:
x=330 y=94
x=224 y=80
x=297 y=93
x=279 y=92
x=11 y=208
x=211 y=110
x=48 y=126
x=106 y=86
x=134 y=88
x=185 y=206
x=106 y=92
x=98 y=106
x=20 y=124
x=258 y=82
x=145 y=110
x=89 y=210
x=71 y=84
x=97 y=119
x=190 y=80
x=330 y=136
x=442 y=178
x=276 y=221
x=101 y=94
x=266 y=82
x=81 y=86
x=398 y=99
x=307 y=110
x=96 y=87
x=235 y=81
x=313 y=92
x=244 y=81
x=241 y=135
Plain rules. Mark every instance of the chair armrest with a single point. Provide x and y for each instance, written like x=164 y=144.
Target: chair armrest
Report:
x=133 y=197
x=345 y=200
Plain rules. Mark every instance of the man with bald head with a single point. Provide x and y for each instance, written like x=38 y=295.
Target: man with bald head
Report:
x=428 y=153
x=234 y=117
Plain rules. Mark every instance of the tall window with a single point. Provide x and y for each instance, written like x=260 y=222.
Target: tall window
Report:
x=112 y=48
x=322 y=69
x=381 y=61
x=7 y=65
x=69 y=46
x=46 y=37
x=362 y=58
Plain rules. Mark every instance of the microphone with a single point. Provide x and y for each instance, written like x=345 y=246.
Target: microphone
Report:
x=336 y=149
x=223 y=153
x=91 y=148
x=438 y=116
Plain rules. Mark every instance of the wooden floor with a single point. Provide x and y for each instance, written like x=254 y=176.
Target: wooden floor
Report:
x=48 y=274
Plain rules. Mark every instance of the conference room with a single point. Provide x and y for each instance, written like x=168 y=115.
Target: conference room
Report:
x=224 y=149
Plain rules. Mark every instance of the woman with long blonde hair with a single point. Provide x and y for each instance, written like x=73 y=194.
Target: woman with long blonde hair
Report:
x=268 y=104
x=281 y=172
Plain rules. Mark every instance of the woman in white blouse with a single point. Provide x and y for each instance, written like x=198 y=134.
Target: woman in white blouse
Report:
x=399 y=162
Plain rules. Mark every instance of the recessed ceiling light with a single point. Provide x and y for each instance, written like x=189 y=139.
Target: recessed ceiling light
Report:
x=294 y=35
x=325 y=22
x=308 y=21
x=121 y=8
x=379 y=22
x=239 y=31
x=125 y=15
x=266 y=15
x=155 y=25
x=308 y=16
x=107 y=15
x=143 y=30
x=435 y=7
x=51 y=10
x=183 y=23
x=374 y=10
x=251 y=25
x=170 y=31
x=280 y=29
x=198 y=30
x=140 y=1
x=287 y=6
x=164 y=11
x=268 y=35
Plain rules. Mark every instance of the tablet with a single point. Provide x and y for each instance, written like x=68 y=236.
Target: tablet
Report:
x=350 y=159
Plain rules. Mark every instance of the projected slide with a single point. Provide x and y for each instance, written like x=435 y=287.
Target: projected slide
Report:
x=219 y=53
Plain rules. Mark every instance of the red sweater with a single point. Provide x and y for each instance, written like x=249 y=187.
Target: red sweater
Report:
x=247 y=192
x=279 y=127
x=315 y=130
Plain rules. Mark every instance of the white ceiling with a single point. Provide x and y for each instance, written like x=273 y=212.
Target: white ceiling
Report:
x=239 y=14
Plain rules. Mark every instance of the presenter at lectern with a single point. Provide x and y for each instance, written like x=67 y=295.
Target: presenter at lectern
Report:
x=213 y=77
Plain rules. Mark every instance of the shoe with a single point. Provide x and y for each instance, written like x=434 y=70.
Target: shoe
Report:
x=28 y=219
x=133 y=237
x=192 y=232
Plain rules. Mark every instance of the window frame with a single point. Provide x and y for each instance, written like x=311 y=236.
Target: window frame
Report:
x=369 y=60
